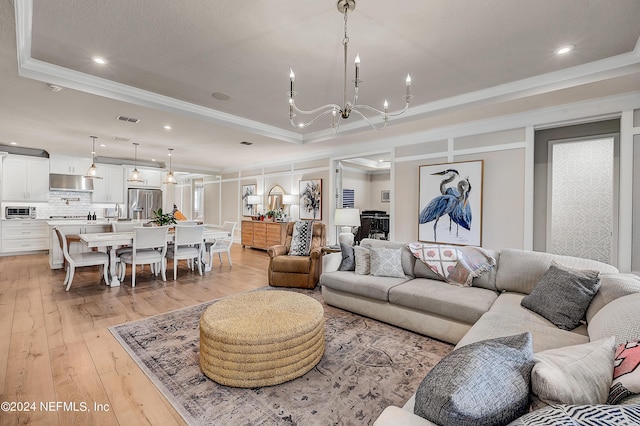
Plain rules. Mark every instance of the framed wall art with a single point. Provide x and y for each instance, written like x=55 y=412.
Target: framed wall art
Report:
x=248 y=209
x=450 y=197
x=311 y=199
x=385 y=196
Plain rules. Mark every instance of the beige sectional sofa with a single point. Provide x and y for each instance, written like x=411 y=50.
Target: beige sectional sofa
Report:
x=489 y=308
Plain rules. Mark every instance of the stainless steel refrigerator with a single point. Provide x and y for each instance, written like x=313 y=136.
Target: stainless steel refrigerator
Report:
x=142 y=202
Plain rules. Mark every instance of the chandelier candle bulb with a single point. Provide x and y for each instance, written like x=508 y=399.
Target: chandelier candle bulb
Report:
x=357 y=62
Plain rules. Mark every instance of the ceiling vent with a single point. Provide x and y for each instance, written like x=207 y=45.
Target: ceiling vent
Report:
x=246 y=143
x=128 y=119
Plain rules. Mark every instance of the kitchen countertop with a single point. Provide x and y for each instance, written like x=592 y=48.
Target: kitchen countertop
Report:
x=61 y=222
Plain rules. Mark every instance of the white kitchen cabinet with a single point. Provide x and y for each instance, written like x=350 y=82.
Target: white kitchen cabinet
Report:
x=67 y=165
x=150 y=178
x=20 y=235
x=109 y=189
x=25 y=178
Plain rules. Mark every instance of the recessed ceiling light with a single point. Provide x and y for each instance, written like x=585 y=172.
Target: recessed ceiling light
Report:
x=54 y=88
x=220 y=96
x=166 y=127
x=153 y=159
x=13 y=143
x=103 y=145
x=565 y=49
x=99 y=60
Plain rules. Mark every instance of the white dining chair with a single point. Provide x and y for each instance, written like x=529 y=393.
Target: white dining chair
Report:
x=91 y=258
x=123 y=226
x=187 y=245
x=222 y=245
x=149 y=248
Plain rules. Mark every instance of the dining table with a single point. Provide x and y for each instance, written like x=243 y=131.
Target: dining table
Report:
x=111 y=241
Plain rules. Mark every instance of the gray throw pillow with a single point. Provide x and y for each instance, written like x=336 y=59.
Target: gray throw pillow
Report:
x=301 y=238
x=348 y=258
x=363 y=260
x=484 y=383
x=563 y=295
x=386 y=262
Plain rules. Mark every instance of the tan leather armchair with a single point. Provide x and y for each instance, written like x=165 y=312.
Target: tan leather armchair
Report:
x=297 y=271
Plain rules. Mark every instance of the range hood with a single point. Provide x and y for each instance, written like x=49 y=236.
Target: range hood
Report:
x=69 y=183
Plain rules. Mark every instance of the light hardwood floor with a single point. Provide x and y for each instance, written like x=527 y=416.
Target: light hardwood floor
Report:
x=55 y=347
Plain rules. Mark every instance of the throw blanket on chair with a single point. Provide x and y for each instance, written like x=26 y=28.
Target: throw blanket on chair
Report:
x=455 y=265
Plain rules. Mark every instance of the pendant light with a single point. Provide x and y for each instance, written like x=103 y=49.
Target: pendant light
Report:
x=170 y=179
x=92 y=173
x=135 y=175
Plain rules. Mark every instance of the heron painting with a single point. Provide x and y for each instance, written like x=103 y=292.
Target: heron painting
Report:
x=450 y=208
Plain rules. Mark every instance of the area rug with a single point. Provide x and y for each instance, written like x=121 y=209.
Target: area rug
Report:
x=367 y=366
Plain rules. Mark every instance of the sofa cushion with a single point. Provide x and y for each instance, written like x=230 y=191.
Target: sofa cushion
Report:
x=291 y=264
x=578 y=374
x=363 y=260
x=581 y=415
x=563 y=295
x=361 y=285
x=421 y=270
x=626 y=372
x=485 y=383
x=463 y=304
x=612 y=287
x=348 y=262
x=620 y=318
x=494 y=324
x=519 y=270
x=386 y=262
x=407 y=258
x=488 y=278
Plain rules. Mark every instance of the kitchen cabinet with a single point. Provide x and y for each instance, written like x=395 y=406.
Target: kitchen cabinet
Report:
x=67 y=165
x=109 y=189
x=56 y=258
x=25 y=178
x=20 y=235
x=150 y=178
x=262 y=235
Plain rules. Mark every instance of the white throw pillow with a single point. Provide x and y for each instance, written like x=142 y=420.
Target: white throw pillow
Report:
x=578 y=374
x=363 y=260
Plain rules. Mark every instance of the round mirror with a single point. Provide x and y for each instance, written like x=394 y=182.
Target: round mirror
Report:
x=274 y=198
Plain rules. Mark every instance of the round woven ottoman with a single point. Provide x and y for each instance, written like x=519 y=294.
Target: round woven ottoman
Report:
x=261 y=338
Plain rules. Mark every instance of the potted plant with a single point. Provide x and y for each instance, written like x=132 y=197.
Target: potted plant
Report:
x=162 y=219
x=274 y=215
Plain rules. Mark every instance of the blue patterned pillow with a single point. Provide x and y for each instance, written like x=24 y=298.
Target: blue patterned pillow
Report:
x=301 y=238
x=387 y=262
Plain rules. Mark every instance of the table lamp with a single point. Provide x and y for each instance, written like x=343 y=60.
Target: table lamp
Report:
x=346 y=218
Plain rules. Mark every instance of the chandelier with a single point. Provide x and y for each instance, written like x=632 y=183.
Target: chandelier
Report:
x=343 y=112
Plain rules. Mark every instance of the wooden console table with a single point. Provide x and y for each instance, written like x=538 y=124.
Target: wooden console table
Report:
x=262 y=235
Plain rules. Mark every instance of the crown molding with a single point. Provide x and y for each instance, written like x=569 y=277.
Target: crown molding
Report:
x=50 y=73
x=615 y=66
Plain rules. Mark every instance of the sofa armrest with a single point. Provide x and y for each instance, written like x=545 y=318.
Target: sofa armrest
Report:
x=278 y=250
x=396 y=416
